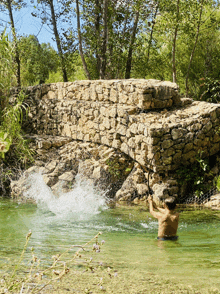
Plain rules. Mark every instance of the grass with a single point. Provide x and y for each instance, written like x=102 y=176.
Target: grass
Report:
x=126 y=282
x=34 y=277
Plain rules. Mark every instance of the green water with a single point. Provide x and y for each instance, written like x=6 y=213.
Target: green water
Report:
x=130 y=240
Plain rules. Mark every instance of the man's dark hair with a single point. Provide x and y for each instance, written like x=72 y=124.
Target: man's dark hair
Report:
x=170 y=203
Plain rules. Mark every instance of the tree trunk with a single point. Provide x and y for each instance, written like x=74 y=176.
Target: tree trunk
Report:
x=151 y=33
x=97 y=33
x=194 y=47
x=17 y=57
x=104 y=40
x=130 y=51
x=54 y=23
x=80 y=42
x=123 y=35
x=174 y=42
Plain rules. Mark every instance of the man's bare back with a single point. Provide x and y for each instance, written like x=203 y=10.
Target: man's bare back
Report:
x=167 y=218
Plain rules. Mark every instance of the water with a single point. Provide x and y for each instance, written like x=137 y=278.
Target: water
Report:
x=130 y=234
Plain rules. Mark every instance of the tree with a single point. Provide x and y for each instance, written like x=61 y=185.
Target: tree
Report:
x=132 y=41
x=183 y=44
x=37 y=60
x=108 y=35
x=201 y=3
x=175 y=39
x=49 y=16
x=80 y=41
x=7 y=77
x=8 y=5
x=10 y=115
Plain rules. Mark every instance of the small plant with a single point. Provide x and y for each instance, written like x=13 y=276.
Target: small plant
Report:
x=6 y=67
x=11 y=135
x=217 y=182
x=114 y=169
x=128 y=169
x=39 y=276
x=210 y=90
x=194 y=176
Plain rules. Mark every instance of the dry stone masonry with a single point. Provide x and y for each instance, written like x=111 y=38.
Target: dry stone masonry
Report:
x=145 y=119
x=117 y=133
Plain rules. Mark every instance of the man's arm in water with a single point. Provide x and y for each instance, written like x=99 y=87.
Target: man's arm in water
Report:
x=152 y=205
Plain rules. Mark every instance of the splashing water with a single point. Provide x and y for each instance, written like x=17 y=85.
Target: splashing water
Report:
x=83 y=200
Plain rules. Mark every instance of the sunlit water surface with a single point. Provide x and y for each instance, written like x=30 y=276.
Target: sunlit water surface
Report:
x=130 y=234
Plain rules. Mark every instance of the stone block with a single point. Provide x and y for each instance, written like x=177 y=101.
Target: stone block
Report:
x=105 y=141
x=134 y=128
x=167 y=144
x=106 y=123
x=167 y=160
x=113 y=96
x=216 y=137
x=67 y=176
x=207 y=127
x=214 y=149
x=191 y=155
x=188 y=147
x=116 y=144
x=51 y=95
x=142 y=189
x=121 y=129
x=49 y=181
x=131 y=142
x=177 y=133
x=168 y=152
x=124 y=148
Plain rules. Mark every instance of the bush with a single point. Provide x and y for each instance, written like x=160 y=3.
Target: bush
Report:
x=210 y=90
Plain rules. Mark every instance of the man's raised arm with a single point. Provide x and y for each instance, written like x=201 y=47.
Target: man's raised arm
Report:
x=153 y=205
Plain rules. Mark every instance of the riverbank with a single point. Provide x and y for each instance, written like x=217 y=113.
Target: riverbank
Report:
x=129 y=282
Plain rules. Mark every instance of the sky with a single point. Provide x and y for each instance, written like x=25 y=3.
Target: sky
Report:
x=26 y=24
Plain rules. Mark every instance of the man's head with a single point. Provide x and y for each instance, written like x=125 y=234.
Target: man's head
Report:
x=170 y=203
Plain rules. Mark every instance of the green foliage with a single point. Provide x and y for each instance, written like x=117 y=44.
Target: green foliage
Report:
x=114 y=168
x=5 y=143
x=217 y=182
x=210 y=90
x=194 y=176
x=54 y=77
x=7 y=77
x=112 y=44
x=11 y=115
x=206 y=57
x=37 y=60
x=152 y=48
x=11 y=130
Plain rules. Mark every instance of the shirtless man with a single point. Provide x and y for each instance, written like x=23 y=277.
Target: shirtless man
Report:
x=167 y=218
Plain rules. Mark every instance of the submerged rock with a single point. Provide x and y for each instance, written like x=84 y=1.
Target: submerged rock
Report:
x=214 y=202
x=106 y=168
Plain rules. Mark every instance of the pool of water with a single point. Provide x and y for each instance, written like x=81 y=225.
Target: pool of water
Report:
x=129 y=234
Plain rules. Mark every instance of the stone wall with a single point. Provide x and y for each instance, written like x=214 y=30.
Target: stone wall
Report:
x=145 y=119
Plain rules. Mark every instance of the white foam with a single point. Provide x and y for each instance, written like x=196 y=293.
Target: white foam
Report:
x=150 y=225
x=83 y=199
